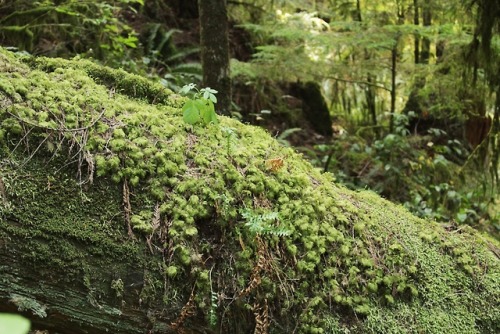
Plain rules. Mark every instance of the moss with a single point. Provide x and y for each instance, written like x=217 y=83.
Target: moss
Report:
x=28 y=304
x=348 y=260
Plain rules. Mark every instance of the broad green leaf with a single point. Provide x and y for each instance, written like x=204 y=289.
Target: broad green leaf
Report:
x=461 y=217
x=213 y=117
x=191 y=112
x=14 y=324
x=187 y=88
x=207 y=112
x=209 y=94
x=130 y=41
x=212 y=98
x=208 y=90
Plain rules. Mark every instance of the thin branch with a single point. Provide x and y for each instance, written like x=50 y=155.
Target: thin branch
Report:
x=34 y=152
x=33 y=11
x=366 y=83
x=59 y=129
x=242 y=3
x=127 y=208
x=19 y=142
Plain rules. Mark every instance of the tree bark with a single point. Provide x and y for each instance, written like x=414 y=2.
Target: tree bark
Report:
x=67 y=305
x=314 y=107
x=416 y=22
x=214 y=33
x=426 y=42
x=394 y=61
x=370 y=94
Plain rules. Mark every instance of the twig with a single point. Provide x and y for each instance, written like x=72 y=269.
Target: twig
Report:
x=127 y=208
x=188 y=310
x=34 y=152
x=3 y=193
x=366 y=83
x=242 y=3
x=60 y=129
x=19 y=142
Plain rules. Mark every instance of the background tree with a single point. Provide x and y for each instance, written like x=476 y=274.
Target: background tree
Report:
x=214 y=43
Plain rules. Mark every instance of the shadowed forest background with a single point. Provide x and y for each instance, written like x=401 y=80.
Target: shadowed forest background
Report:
x=398 y=96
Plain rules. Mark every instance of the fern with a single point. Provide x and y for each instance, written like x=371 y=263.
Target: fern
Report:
x=262 y=224
x=231 y=138
x=182 y=54
x=213 y=309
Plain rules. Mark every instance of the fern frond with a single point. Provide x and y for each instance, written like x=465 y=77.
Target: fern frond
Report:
x=165 y=38
x=181 y=54
x=192 y=68
x=261 y=224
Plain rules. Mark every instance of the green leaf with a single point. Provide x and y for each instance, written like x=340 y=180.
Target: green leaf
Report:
x=208 y=112
x=191 y=112
x=14 y=324
x=461 y=217
x=212 y=98
x=288 y=132
x=209 y=94
x=213 y=117
x=187 y=88
x=130 y=41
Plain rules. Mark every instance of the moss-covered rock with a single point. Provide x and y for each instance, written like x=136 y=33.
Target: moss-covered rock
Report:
x=141 y=222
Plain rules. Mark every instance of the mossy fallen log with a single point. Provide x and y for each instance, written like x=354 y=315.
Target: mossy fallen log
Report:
x=117 y=217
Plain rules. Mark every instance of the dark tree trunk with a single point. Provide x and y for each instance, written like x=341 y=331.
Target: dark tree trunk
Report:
x=427 y=21
x=494 y=140
x=370 y=94
x=416 y=22
x=440 y=46
x=358 y=11
x=215 y=50
x=394 y=63
x=370 y=100
x=314 y=107
x=394 y=60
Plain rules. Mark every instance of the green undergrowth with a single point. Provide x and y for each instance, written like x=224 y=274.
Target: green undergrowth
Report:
x=229 y=214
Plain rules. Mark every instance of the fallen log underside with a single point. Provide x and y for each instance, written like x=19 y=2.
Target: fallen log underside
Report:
x=66 y=285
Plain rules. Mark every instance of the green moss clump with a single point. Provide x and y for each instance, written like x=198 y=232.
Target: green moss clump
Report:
x=330 y=260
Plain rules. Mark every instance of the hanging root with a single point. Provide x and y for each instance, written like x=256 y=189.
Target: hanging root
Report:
x=261 y=313
x=127 y=208
x=188 y=310
x=3 y=193
x=262 y=265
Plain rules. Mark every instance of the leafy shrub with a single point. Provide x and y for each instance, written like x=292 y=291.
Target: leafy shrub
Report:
x=413 y=170
x=96 y=29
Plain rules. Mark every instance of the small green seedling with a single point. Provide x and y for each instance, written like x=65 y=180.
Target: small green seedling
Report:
x=199 y=108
